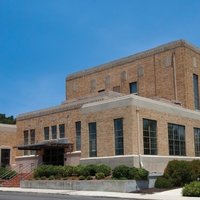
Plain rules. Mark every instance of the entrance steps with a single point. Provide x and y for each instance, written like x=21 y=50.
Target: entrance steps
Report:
x=15 y=181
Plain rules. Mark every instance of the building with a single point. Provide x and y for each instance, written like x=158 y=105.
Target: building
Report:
x=142 y=110
x=7 y=142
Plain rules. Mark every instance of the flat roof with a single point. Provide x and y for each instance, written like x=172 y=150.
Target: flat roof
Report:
x=131 y=58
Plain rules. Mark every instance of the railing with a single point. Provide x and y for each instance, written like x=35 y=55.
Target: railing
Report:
x=25 y=168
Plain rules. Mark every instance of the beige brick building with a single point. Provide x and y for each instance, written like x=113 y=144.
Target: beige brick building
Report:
x=142 y=110
x=7 y=142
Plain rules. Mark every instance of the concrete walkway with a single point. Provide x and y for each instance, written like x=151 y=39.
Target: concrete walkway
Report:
x=167 y=195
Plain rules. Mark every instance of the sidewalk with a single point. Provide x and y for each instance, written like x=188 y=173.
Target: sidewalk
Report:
x=167 y=195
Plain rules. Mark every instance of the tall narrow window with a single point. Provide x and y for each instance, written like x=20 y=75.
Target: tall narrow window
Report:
x=92 y=139
x=46 y=133
x=32 y=140
x=62 y=130
x=32 y=134
x=119 y=138
x=26 y=140
x=78 y=136
x=133 y=88
x=150 y=136
x=196 y=91
x=54 y=132
x=197 y=141
x=176 y=136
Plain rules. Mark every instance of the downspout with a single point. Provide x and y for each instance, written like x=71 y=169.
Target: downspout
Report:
x=174 y=73
x=138 y=135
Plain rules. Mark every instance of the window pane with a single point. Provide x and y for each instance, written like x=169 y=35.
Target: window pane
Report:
x=196 y=91
x=46 y=133
x=119 y=140
x=78 y=136
x=150 y=136
x=176 y=136
x=54 y=132
x=62 y=130
x=133 y=87
x=92 y=140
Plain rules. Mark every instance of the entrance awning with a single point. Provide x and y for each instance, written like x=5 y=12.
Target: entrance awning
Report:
x=57 y=143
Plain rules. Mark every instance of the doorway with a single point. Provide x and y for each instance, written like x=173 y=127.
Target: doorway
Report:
x=53 y=156
x=5 y=157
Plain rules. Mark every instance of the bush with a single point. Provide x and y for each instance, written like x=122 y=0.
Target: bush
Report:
x=90 y=170
x=100 y=175
x=101 y=168
x=163 y=182
x=195 y=169
x=179 y=172
x=81 y=177
x=142 y=174
x=192 y=189
x=121 y=171
x=78 y=170
x=67 y=171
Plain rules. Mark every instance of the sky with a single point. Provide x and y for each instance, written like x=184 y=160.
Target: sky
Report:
x=43 y=41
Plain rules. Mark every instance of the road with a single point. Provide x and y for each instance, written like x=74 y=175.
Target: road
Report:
x=37 y=196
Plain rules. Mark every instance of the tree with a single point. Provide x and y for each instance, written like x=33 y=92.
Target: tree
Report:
x=7 y=120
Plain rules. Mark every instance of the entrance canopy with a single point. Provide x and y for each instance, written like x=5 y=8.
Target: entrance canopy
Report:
x=57 y=143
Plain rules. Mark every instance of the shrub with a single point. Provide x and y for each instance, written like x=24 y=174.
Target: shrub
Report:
x=142 y=174
x=195 y=169
x=89 y=178
x=192 y=189
x=67 y=171
x=121 y=171
x=179 y=172
x=90 y=170
x=101 y=168
x=78 y=170
x=81 y=177
x=163 y=182
x=99 y=175
x=51 y=177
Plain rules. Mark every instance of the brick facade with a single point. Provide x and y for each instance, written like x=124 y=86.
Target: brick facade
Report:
x=164 y=74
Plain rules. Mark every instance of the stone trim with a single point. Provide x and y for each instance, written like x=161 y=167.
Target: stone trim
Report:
x=125 y=60
x=140 y=102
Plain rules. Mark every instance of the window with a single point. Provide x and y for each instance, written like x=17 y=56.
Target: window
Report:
x=62 y=130
x=92 y=139
x=26 y=139
x=46 y=133
x=119 y=139
x=32 y=133
x=197 y=141
x=176 y=136
x=32 y=137
x=150 y=136
x=133 y=87
x=54 y=132
x=116 y=89
x=78 y=136
x=196 y=91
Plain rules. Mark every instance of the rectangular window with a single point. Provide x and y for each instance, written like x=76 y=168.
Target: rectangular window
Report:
x=196 y=91
x=54 y=132
x=26 y=141
x=92 y=139
x=119 y=138
x=133 y=88
x=176 y=136
x=32 y=133
x=78 y=136
x=197 y=141
x=32 y=140
x=62 y=130
x=46 y=133
x=150 y=136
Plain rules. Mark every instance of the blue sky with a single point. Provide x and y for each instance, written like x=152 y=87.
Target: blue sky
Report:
x=43 y=41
